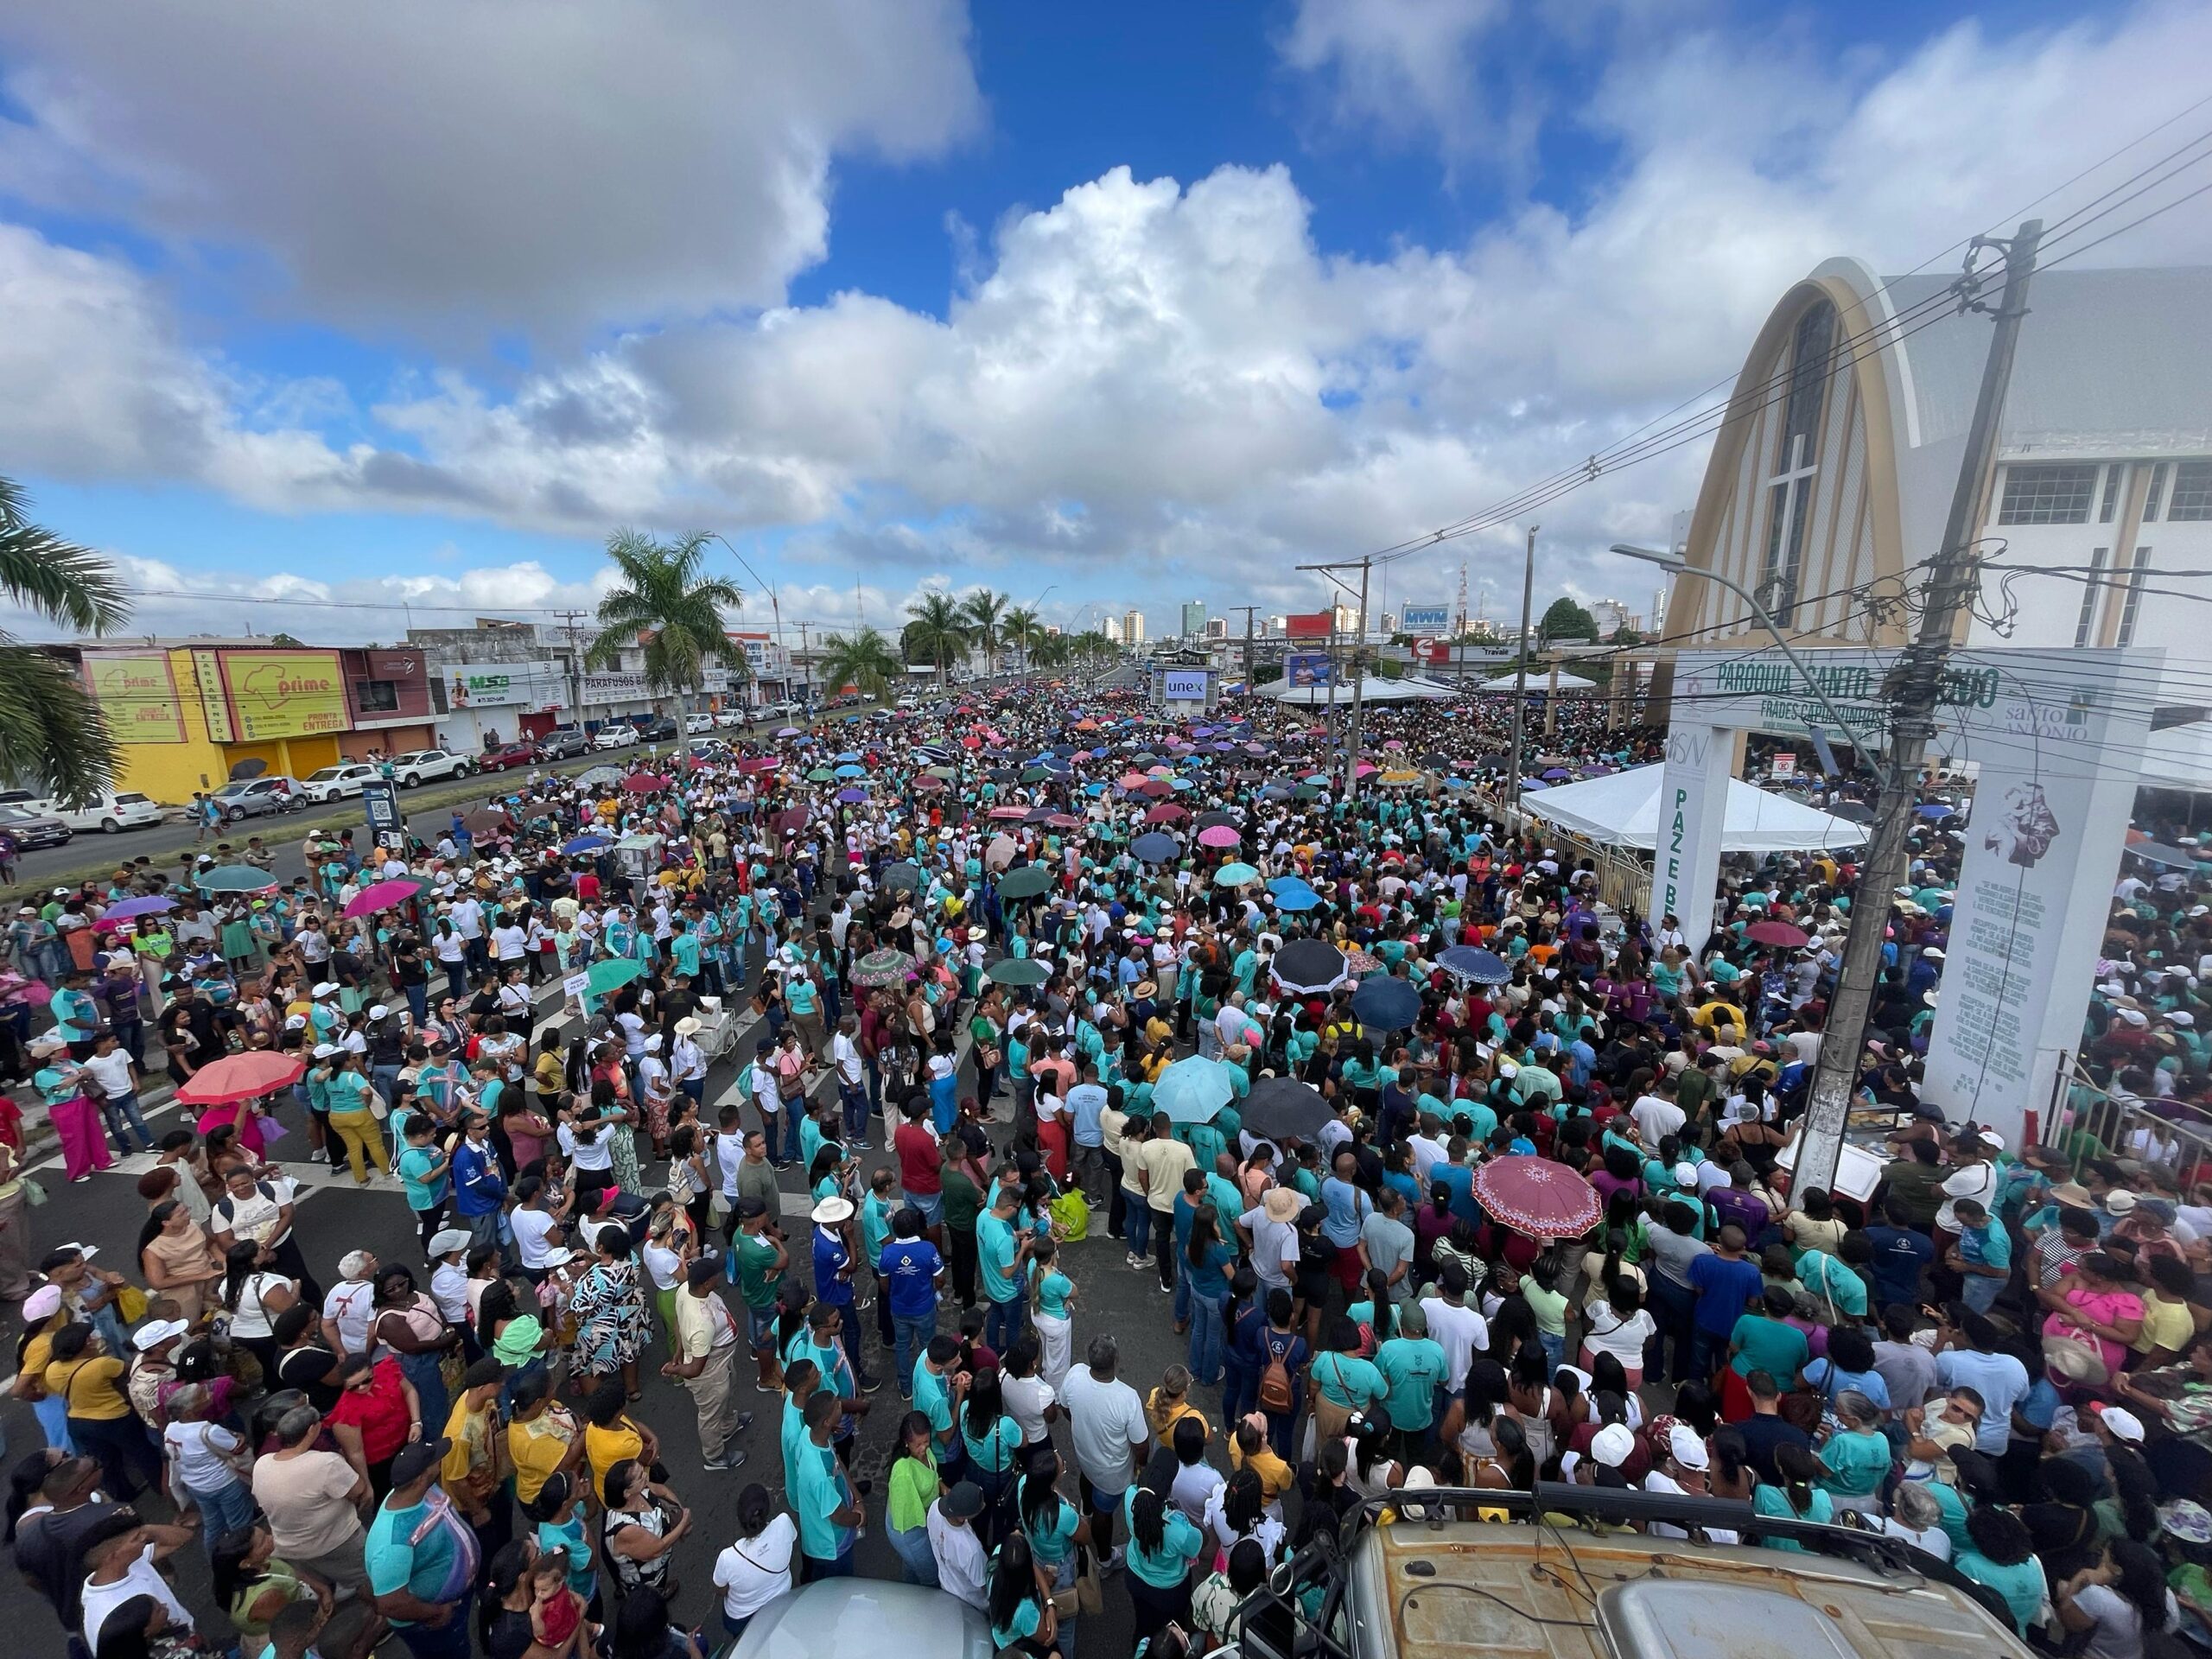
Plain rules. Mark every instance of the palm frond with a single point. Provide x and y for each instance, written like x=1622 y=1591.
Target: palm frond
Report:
x=45 y=573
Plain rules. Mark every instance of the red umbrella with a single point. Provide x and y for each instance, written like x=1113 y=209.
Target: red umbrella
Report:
x=1166 y=812
x=644 y=783
x=241 y=1077
x=1063 y=821
x=1777 y=933
x=1537 y=1198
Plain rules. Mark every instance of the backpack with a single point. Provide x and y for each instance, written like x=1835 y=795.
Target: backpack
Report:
x=1276 y=1394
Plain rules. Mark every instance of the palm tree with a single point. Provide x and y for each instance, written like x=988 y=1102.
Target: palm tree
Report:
x=985 y=613
x=866 y=662
x=54 y=735
x=1023 y=628
x=937 y=633
x=676 y=612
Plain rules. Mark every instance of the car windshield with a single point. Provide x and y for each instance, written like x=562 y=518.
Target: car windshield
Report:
x=133 y=800
x=328 y=773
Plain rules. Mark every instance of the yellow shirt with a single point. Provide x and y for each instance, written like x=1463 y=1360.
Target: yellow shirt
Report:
x=605 y=1447
x=2166 y=1324
x=38 y=1354
x=536 y=1448
x=89 y=1386
x=1276 y=1477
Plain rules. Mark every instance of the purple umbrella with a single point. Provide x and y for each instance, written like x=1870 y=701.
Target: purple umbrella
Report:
x=852 y=796
x=150 y=906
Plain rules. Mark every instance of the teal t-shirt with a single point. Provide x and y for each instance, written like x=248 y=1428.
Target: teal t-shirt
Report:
x=1412 y=1368
x=994 y=1251
x=801 y=997
x=414 y=1165
x=1856 y=1463
x=933 y=1399
x=1348 y=1381
x=1052 y=1293
x=685 y=949
x=1769 y=1345
x=397 y=1558
x=1050 y=1545
x=1179 y=1544
x=995 y=1453
x=821 y=1491
x=1772 y=1500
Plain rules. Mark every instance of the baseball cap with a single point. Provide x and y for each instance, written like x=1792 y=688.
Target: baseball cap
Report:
x=413 y=1462
x=963 y=1503
x=1683 y=1442
x=1613 y=1445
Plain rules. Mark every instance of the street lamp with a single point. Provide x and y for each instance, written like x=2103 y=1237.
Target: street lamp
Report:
x=775 y=603
x=1034 y=605
x=1679 y=566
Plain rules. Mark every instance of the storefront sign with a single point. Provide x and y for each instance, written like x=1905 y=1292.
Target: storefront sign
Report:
x=136 y=692
x=599 y=688
x=274 y=693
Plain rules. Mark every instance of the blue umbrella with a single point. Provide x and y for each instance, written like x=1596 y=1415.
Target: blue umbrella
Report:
x=584 y=845
x=1191 y=1091
x=852 y=796
x=1476 y=967
x=1155 y=848
x=1387 y=1004
x=850 y=771
x=1935 y=809
x=1294 y=892
x=848 y=755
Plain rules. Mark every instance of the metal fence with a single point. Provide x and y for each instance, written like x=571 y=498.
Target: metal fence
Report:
x=2085 y=1121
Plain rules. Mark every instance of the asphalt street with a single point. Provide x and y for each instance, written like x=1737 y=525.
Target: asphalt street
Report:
x=332 y=1219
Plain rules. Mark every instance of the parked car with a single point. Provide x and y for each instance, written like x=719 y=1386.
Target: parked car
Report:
x=563 y=743
x=250 y=798
x=728 y=719
x=336 y=783
x=107 y=813
x=34 y=828
x=420 y=766
x=507 y=757
x=615 y=735
x=657 y=729
x=694 y=725
x=832 y=1615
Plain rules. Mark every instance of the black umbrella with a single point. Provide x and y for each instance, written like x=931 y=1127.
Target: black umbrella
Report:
x=1211 y=820
x=902 y=876
x=1280 y=1108
x=1306 y=966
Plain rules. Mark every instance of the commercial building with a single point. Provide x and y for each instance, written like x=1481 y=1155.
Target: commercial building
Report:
x=187 y=713
x=1132 y=627
x=1828 y=487
x=1194 y=619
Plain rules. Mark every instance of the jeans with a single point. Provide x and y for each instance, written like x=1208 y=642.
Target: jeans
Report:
x=1208 y=1334
x=1673 y=1307
x=450 y=1640
x=788 y=1114
x=917 y=1560
x=1004 y=1322
x=855 y=1101
x=384 y=1079
x=1239 y=1387
x=124 y=1449
x=223 y=1511
x=1554 y=1349
x=1140 y=1220
x=418 y=1002
x=1705 y=1350
x=913 y=1334
x=122 y=1111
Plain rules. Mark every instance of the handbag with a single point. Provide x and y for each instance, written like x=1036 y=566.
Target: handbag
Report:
x=129 y=1303
x=1083 y=1596
x=379 y=1107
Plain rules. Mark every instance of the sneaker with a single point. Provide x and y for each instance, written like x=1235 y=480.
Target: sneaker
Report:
x=870 y=1384
x=724 y=1464
x=1112 y=1563
x=1131 y=1259
x=744 y=1422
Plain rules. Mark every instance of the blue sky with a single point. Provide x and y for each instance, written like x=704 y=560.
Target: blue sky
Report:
x=413 y=306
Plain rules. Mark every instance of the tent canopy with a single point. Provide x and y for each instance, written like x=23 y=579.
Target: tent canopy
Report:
x=1623 y=810
x=1540 y=680
x=1372 y=689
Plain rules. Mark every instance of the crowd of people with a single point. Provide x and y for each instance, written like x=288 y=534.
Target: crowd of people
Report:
x=1015 y=977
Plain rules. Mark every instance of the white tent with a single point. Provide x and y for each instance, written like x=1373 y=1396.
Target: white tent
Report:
x=1372 y=689
x=1623 y=810
x=1540 y=680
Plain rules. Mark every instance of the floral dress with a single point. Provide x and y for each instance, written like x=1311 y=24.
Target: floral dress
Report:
x=610 y=1314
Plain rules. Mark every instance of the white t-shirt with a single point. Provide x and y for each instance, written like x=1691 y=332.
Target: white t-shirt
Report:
x=1194 y=1488
x=1107 y=1422
x=1025 y=1399
x=199 y=1449
x=596 y=1154
x=1656 y=1117
x=250 y=1317
x=1274 y=1244
x=532 y=1227
x=143 y=1578
x=753 y=1572
x=349 y=1305
x=112 y=1072
x=1461 y=1332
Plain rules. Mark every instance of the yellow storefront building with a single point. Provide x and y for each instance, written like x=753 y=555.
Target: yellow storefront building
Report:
x=183 y=718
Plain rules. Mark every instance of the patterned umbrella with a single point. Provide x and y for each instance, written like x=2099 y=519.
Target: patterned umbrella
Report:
x=1537 y=1198
x=234 y=878
x=881 y=968
x=1476 y=967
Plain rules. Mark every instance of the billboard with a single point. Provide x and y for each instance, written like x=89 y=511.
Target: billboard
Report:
x=503 y=685
x=136 y=692
x=1309 y=625
x=615 y=688
x=1308 y=668
x=1425 y=619
x=1183 y=685
x=275 y=694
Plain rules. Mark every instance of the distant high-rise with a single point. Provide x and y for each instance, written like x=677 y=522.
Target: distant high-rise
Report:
x=1132 y=627
x=1194 y=618
x=1111 y=627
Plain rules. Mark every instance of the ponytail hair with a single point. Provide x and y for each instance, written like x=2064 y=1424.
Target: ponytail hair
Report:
x=1147 y=1520
x=1799 y=1471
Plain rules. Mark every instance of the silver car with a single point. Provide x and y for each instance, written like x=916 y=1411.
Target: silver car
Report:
x=864 y=1616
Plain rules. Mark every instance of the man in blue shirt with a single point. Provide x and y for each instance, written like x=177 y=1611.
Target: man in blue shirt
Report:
x=1726 y=1283
x=833 y=1277
x=914 y=1274
x=1900 y=1253
x=1085 y=1103
x=1347 y=1208
x=1003 y=1258
x=479 y=1189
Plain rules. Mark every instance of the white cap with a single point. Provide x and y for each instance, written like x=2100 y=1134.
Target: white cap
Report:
x=378 y=1012
x=2123 y=1424
x=1613 y=1445
x=328 y=987
x=295 y=1022
x=324 y=1051
x=154 y=1332
x=1687 y=1447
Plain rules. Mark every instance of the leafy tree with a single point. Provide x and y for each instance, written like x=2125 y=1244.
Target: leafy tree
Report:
x=1625 y=636
x=985 y=613
x=1565 y=619
x=53 y=735
x=1022 y=629
x=664 y=603
x=865 y=661
x=285 y=640
x=938 y=632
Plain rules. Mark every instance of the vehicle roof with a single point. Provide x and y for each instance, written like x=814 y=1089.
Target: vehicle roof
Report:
x=1479 y=1589
x=857 y=1615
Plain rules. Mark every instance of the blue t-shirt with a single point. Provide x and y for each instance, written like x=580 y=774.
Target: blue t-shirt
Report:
x=433 y=1563
x=830 y=1256
x=1347 y=1206
x=1412 y=1368
x=1179 y=1544
x=1725 y=1289
x=909 y=1267
x=994 y=1250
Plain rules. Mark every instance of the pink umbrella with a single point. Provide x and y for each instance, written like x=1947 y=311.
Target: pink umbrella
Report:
x=382 y=895
x=1000 y=812
x=1131 y=781
x=1219 y=835
x=1537 y=1198
x=644 y=783
x=759 y=763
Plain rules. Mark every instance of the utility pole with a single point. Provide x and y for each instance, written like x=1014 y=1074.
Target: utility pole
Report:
x=1915 y=684
x=1248 y=611
x=1359 y=682
x=570 y=618
x=806 y=669
x=1521 y=674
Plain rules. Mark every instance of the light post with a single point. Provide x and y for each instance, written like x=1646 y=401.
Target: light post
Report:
x=1048 y=587
x=775 y=603
x=1678 y=566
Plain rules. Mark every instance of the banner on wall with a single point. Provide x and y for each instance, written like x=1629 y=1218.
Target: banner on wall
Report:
x=1307 y=668
x=278 y=694
x=214 y=704
x=136 y=691
x=615 y=688
x=1425 y=619
x=504 y=685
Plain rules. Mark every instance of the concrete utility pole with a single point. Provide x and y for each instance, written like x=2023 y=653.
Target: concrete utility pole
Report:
x=1358 y=683
x=570 y=619
x=1248 y=611
x=1914 y=689
x=1512 y=801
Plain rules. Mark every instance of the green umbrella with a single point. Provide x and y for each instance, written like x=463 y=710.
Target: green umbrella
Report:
x=612 y=973
x=1191 y=1091
x=821 y=775
x=1019 y=970
x=1035 y=775
x=1025 y=883
x=234 y=878
x=945 y=773
x=1234 y=876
